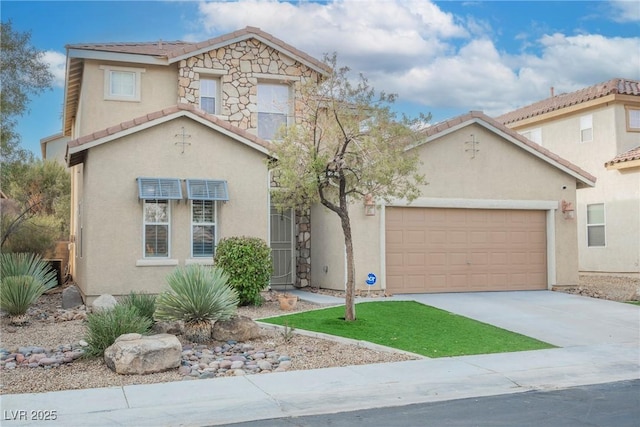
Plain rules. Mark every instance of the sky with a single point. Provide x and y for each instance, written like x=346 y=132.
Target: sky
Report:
x=445 y=58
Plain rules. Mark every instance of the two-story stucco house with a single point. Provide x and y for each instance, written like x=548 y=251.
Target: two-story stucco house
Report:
x=597 y=128
x=169 y=154
x=169 y=150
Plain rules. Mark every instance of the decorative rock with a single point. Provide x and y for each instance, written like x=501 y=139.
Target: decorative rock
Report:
x=239 y=328
x=155 y=353
x=104 y=302
x=71 y=297
x=174 y=328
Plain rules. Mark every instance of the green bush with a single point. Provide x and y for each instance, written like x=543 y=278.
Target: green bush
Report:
x=23 y=279
x=198 y=295
x=24 y=264
x=144 y=303
x=17 y=293
x=247 y=261
x=103 y=327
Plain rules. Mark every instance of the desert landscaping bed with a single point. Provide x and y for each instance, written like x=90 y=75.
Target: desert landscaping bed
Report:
x=50 y=329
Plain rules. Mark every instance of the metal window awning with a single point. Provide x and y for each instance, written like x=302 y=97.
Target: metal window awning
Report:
x=159 y=188
x=202 y=189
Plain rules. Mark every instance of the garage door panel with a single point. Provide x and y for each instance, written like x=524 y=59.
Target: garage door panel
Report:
x=456 y=250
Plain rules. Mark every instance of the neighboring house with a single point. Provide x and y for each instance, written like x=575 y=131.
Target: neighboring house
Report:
x=491 y=218
x=597 y=128
x=54 y=148
x=169 y=154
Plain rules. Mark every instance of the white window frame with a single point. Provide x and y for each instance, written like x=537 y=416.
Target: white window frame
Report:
x=109 y=71
x=633 y=118
x=145 y=223
x=216 y=94
x=598 y=224
x=586 y=124
x=534 y=135
x=213 y=224
x=272 y=106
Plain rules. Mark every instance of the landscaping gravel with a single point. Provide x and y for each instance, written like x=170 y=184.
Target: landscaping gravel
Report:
x=48 y=330
x=57 y=334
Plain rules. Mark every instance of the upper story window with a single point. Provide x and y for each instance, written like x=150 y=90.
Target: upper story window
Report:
x=586 y=128
x=534 y=135
x=595 y=225
x=273 y=109
x=122 y=83
x=208 y=94
x=633 y=119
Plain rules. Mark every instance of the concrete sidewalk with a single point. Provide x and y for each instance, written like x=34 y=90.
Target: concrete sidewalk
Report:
x=600 y=343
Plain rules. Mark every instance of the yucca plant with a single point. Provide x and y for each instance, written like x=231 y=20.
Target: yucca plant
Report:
x=17 y=293
x=199 y=296
x=23 y=279
x=25 y=264
x=144 y=303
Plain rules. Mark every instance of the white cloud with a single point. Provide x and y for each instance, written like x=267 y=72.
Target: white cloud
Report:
x=430 y=57
x=626 y=10
x=56 y=63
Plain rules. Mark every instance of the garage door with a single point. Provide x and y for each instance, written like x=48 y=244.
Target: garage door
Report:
x=464 y=250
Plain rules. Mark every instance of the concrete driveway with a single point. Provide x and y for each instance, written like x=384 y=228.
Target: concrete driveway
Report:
x=557 y=318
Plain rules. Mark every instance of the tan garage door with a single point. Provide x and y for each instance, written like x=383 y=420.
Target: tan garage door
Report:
x=464 y=250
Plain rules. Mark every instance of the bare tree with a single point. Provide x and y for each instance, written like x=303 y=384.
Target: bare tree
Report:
x=345 y=144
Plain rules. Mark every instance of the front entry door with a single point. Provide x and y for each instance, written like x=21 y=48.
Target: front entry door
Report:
x=282 y=247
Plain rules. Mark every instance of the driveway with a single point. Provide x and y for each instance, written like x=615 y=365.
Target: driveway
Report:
x=557 y=318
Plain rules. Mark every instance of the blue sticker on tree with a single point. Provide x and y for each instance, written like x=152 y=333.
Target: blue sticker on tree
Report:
x=371 y=279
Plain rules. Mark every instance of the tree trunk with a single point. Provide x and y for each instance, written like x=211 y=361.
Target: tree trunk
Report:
x=349 y=303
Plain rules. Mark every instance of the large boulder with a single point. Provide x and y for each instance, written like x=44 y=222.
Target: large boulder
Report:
x=138 y=354
x=103 y=302
x=238 y=328
x=71 y=297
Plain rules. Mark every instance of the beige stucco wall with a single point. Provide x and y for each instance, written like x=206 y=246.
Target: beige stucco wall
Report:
x=112 y=213
x=159 y=89
x=501 y=174
x=619 y=190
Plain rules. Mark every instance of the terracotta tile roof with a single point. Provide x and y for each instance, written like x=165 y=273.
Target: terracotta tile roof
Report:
x=480 y=116
x=159 y=48
x=147 y=118
x=633 y=154
x=613 y=86
x=176 y=49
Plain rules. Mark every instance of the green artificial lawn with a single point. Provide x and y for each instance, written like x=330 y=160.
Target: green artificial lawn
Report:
x=413 y=327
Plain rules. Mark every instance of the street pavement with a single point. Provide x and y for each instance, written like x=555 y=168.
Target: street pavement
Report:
x=599 y=342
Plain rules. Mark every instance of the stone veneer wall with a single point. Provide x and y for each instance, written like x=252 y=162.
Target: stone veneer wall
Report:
x=239 y=66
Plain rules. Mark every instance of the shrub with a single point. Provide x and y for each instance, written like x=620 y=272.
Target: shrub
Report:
x=144 y=303
x=103 y=327
x=17 y=293
x=23 y=279
x=247 y=261
x=24 y=264
x=198 y=296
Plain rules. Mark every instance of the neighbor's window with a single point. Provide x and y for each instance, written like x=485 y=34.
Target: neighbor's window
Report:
x=156 y=228
x=273 y=108
x=122 y=83
x=208 y=94
x=203 y=228
x=534 y=135
x=633 y=119
x=595 y=225
x=586 y=128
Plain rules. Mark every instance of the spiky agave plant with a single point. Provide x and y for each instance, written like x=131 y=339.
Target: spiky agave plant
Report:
x=17 y=293
x=199 y=296
x=23 y=279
